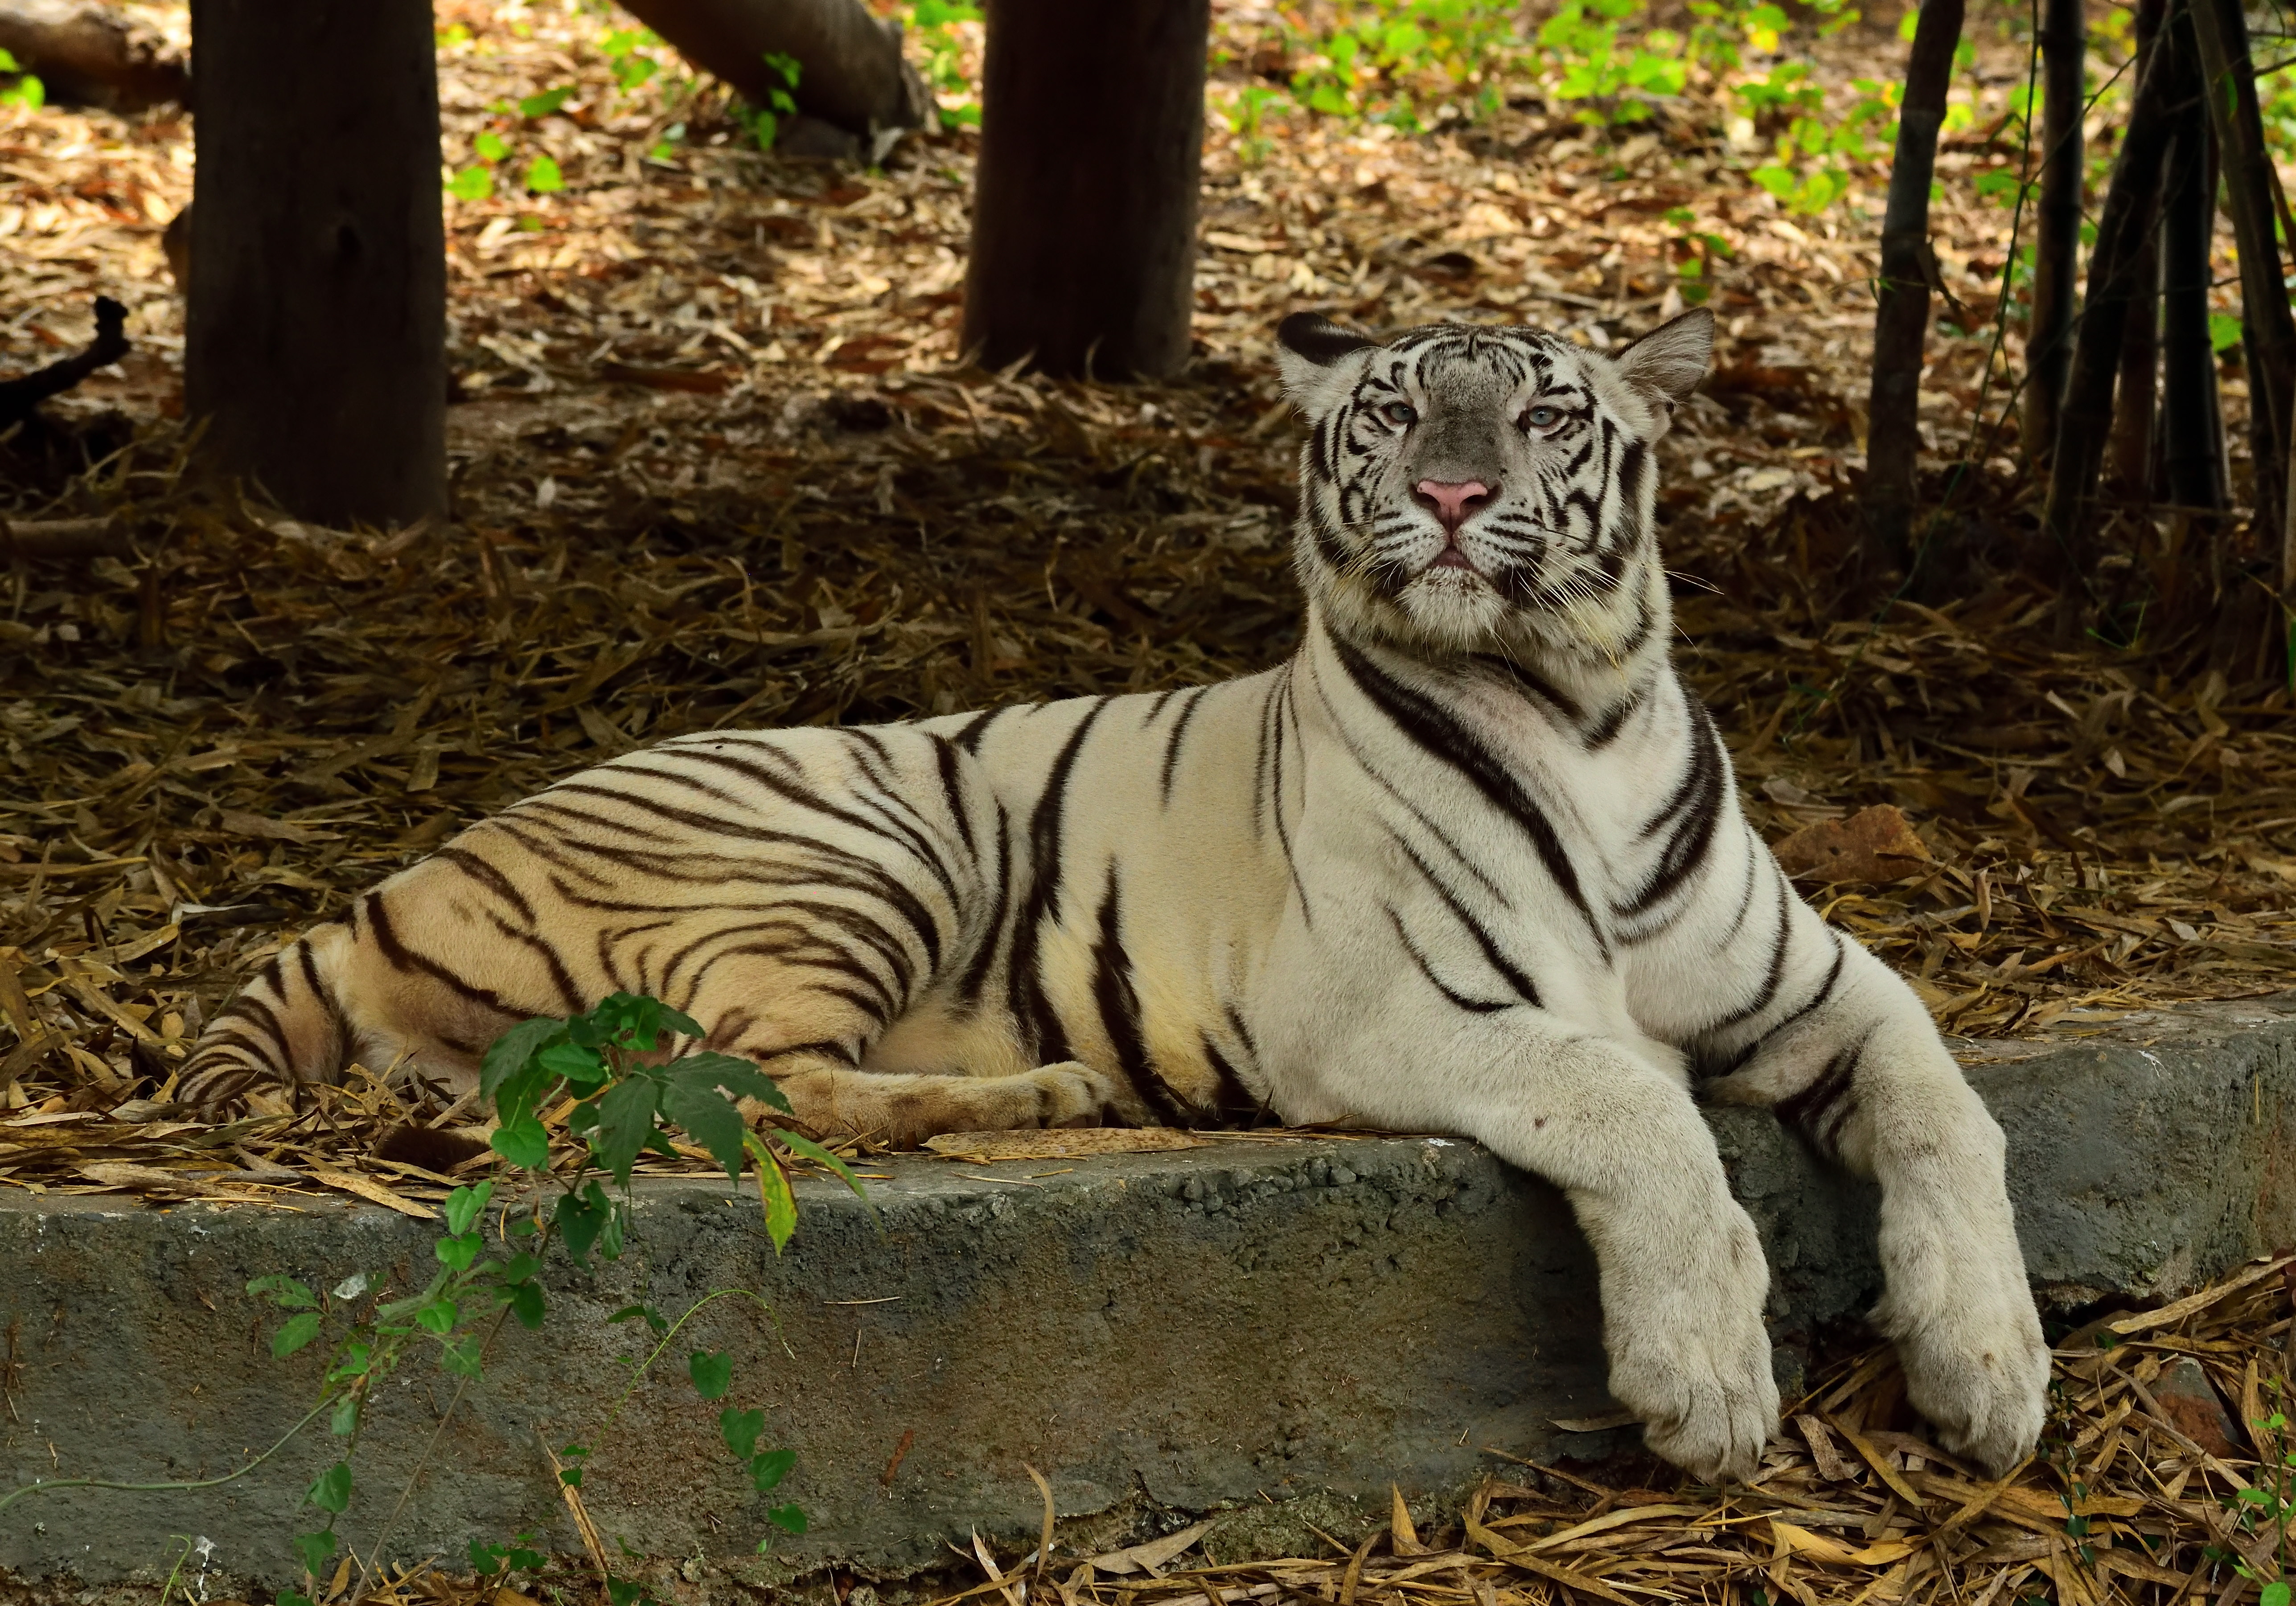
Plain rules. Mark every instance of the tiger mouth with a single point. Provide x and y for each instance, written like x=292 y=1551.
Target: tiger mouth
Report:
x=1452 y=557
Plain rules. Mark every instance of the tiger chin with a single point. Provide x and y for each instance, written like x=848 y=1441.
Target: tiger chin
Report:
x=1470 y=860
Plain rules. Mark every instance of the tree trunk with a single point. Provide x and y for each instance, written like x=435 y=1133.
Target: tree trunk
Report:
x=1083 y=217
x=850 y=72
x=316 y=345
x=2066 y=530
x=1901 y=317
x=2056 y=222
x=2230 y=81
x=2128 y=463
x=2193 y=416
x=89 y=54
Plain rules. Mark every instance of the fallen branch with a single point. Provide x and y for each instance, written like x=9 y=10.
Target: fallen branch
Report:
x=851 y=73
x=91 y=55
x=19 y=396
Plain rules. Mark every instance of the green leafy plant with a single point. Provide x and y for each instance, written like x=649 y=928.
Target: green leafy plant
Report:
x=631 y=1091
x=27 y=91
x=1694 y=250
x=933 y=26
x=1616 y=73
x=2270 y=1503
x=765 y=122
x=491 y=150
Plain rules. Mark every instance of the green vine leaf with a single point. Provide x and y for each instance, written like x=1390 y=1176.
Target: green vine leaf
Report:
x=740 y=1430
x=284 y=1292
x=510 y=1053
x=773 y=1191
x=298 y=1331
x=713 y=1373
x=331 y=1491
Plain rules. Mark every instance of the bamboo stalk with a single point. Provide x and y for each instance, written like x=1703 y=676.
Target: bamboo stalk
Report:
x=2088 y=413
x=1901 y=315
x=2056 y=222
x=2128 y=463
x=2192 y=420
x=2221 y=33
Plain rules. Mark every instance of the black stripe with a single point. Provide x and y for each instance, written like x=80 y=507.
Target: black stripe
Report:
x=976 y=974
x=570 y=993
x=1692 y=813
x=488 y=876
x=308 y=963
x=1118 y=1001
x=1031 y=1009
x=1242 y=1032
x=1230 y=1097
x=1276 y=705
x=945 y=756
x=1769 y=989
x=1529 y=681
x=1524 y=988
x=1480 y=1006
x=1443 y=736
x=270 y=1032
x=1606 y=729
x=399 y=957
x=969 y=736
x=1172 y=742
x=1832 y=1091
x=1426 y=822
x=1753 y=1047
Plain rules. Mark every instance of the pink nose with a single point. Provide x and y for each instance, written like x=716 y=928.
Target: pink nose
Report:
x=1453 y=503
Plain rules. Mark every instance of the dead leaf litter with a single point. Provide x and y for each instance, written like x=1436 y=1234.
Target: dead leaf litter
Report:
x=715 y=459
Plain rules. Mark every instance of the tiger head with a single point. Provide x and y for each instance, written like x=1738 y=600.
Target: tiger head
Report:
x=1467 y=490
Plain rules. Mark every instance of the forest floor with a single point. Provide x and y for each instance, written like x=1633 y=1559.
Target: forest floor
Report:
x=716 y=459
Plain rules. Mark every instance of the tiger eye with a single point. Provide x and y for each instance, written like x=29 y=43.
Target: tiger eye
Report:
x=1401 y=415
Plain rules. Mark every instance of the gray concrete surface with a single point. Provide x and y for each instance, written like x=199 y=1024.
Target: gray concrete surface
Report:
x=1274 y=1328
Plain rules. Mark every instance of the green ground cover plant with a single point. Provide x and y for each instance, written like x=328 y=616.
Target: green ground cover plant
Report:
x=505 y=1237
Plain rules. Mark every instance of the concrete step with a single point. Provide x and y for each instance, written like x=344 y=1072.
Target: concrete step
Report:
x=1277 y=1328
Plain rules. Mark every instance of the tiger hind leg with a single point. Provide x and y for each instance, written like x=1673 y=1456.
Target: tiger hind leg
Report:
x=904 y=1108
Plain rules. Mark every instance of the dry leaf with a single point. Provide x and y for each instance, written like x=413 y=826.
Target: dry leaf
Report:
x=1872 y=845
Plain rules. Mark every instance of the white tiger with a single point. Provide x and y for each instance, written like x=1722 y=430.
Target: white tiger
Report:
x=1471 y=861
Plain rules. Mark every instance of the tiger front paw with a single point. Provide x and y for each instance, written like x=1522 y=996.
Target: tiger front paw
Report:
x=1691 y=1355
x=1975 y=1362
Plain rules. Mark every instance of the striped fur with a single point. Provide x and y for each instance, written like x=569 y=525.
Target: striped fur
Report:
x=1471 y=860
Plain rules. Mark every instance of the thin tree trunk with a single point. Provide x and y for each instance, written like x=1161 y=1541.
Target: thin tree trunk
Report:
x=2192 y=417
x=2128 y=463
x=316 y=345
x=1084 y=215
x=2230 y=81
x=2056 y=237
x=2066 y=531
x=1901 y=317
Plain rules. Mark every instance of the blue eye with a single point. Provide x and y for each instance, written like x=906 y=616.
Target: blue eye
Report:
x=1401 y=415
x=1541 y=417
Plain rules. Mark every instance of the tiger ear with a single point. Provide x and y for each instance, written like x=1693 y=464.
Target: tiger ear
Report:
x=1312 y=351
x=1667 y=364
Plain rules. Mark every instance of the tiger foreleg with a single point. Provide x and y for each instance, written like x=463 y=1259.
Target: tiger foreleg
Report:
x=1867 y=1081
x=1683 y=1276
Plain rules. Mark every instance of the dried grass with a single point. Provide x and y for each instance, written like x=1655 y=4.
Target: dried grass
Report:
x=717 y=462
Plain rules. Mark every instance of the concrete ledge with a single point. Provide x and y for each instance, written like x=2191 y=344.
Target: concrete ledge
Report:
x=1277 y=1327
